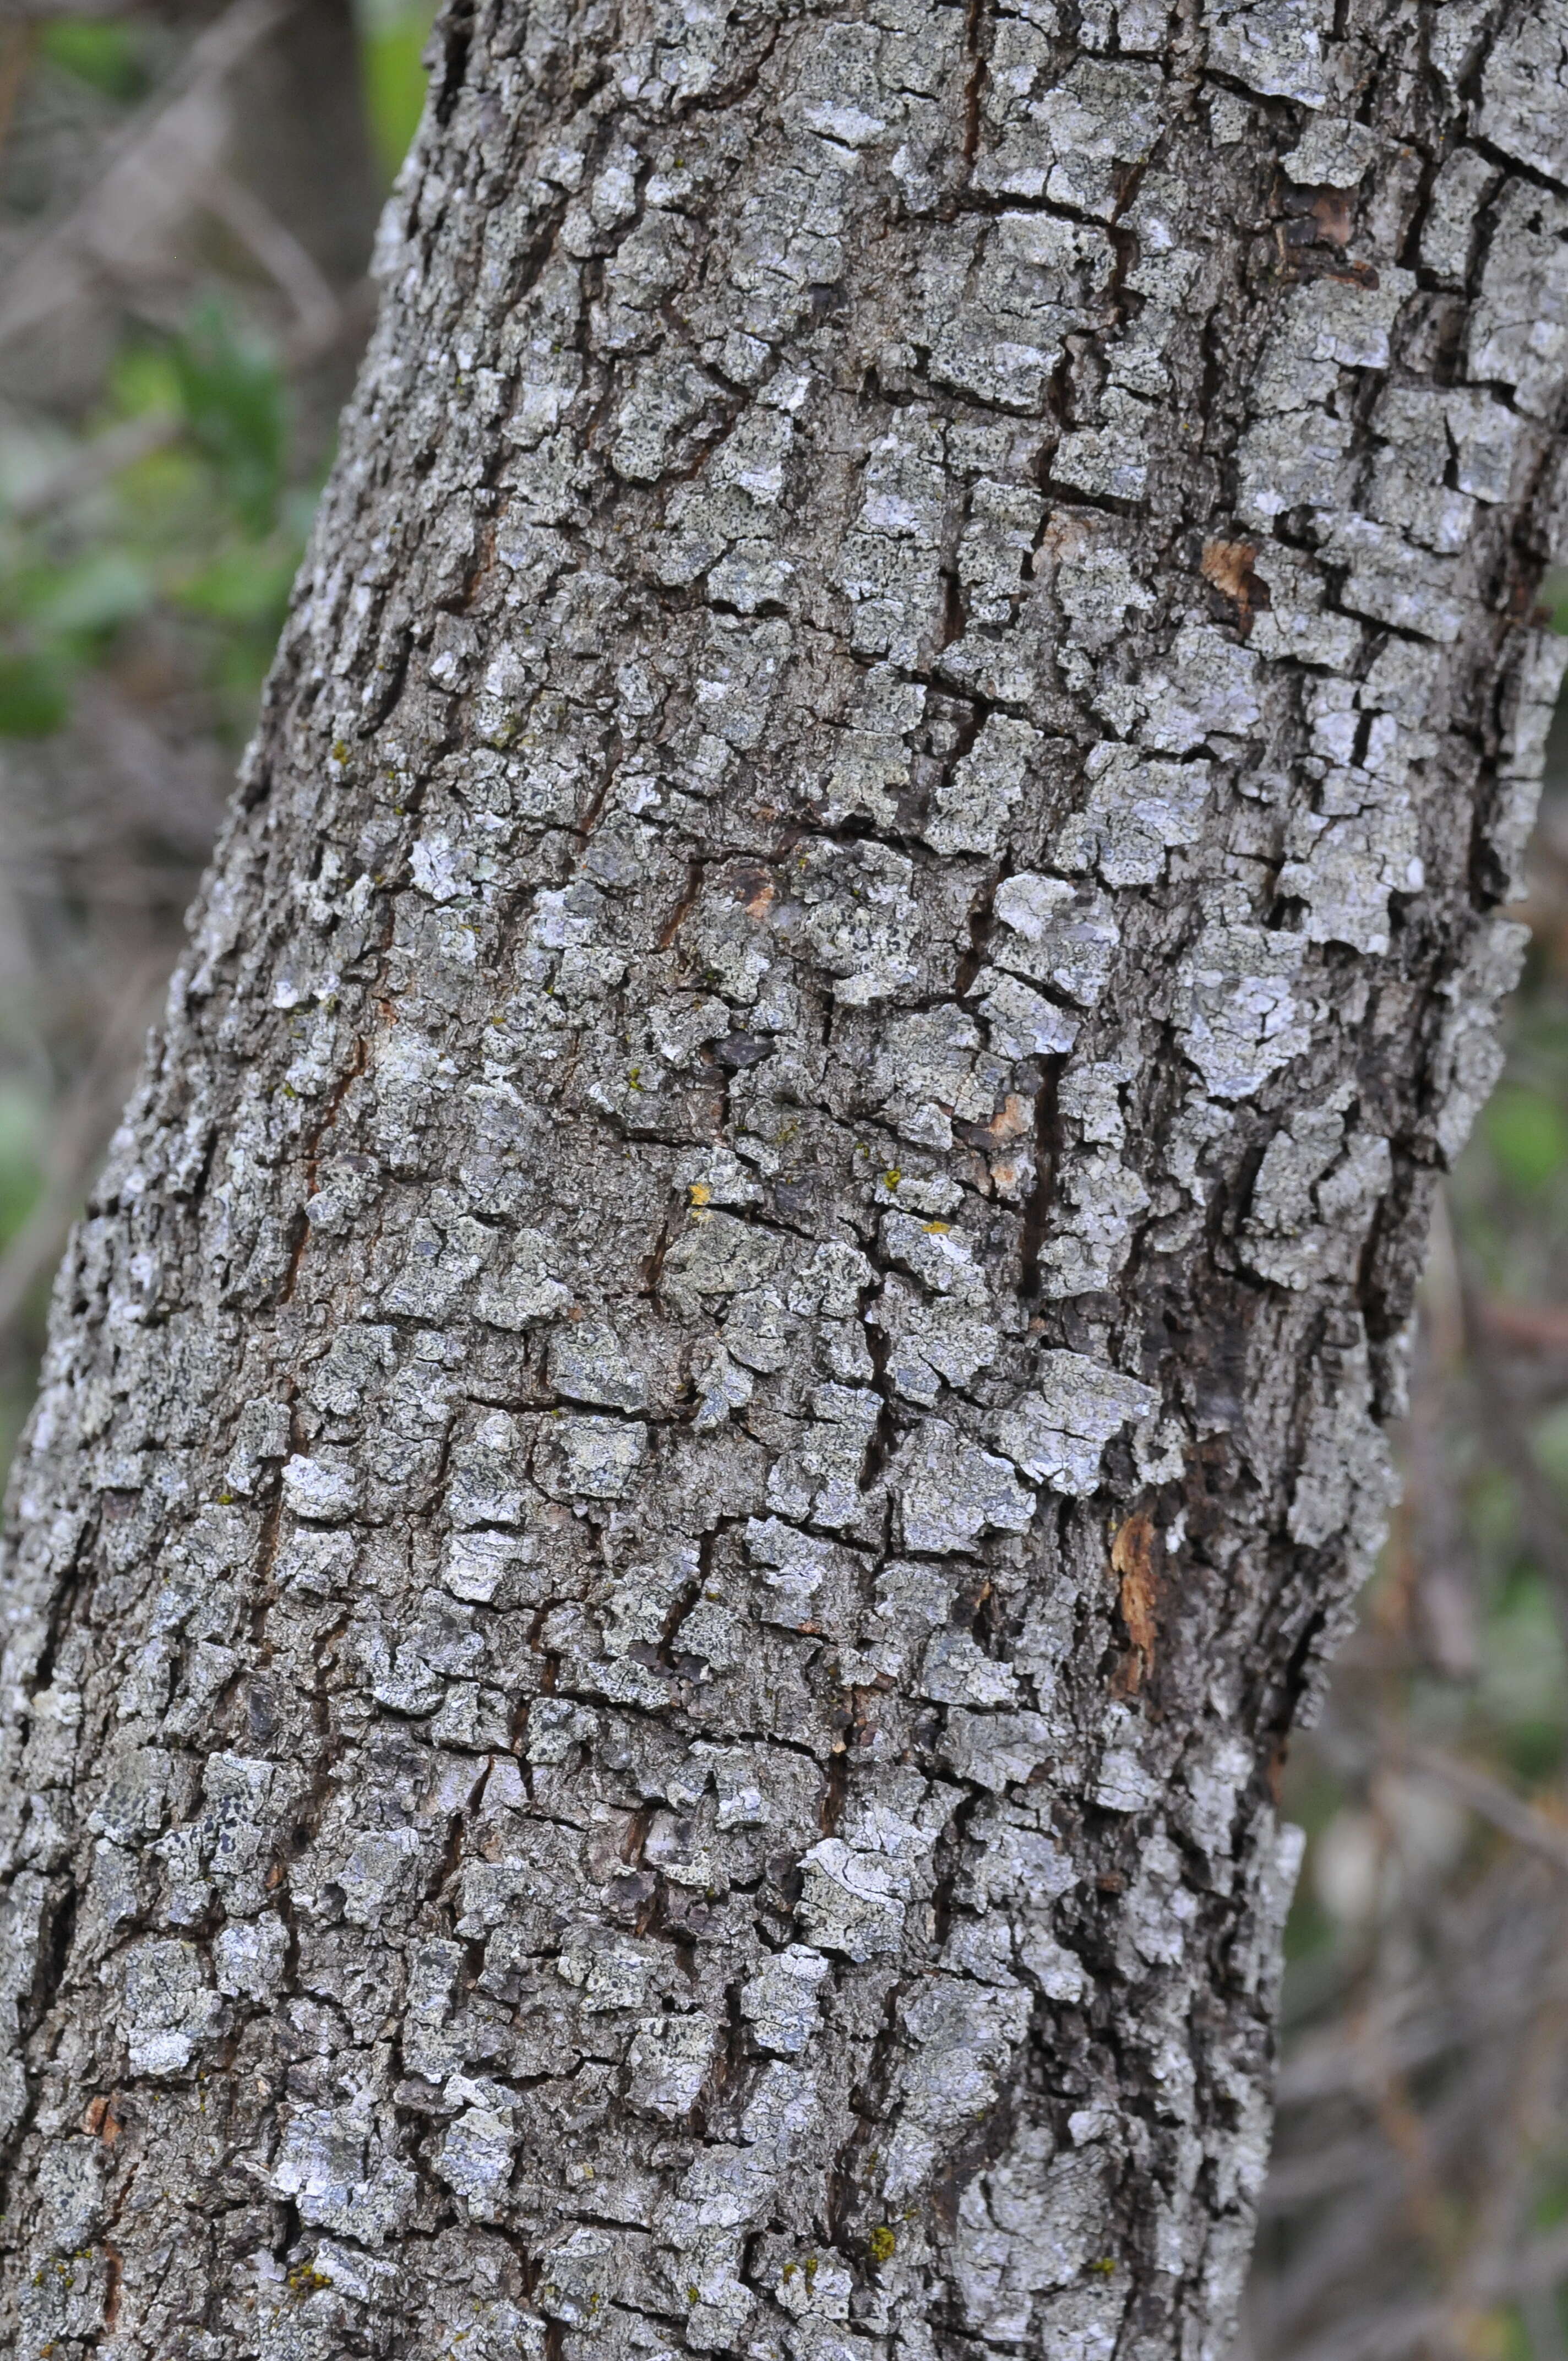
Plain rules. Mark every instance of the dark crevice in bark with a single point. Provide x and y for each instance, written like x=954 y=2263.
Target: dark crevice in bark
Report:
x=1048 y=1147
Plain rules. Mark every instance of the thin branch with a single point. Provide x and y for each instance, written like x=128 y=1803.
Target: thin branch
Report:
x=1534 y=1328
x=1398 y=2329
x=162 y=154
x=292 y=269
x=1491 y=1799
x=91 y=464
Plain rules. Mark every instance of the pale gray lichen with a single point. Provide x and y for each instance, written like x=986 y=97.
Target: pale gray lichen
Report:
x=851 y=1901
x=1098 y=1201
x=1057 y=934
x=1136 y=811
x=1058 y=1431
x=167 y=2007
x=950 y=1491
x=1275 y=47
x=780 y=2003
x=1239 y=1019
x=1315 y=1198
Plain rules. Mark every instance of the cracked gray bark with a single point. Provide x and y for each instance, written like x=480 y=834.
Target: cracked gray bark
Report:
x=726 y=1388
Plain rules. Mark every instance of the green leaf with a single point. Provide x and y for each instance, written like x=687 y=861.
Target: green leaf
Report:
x=232 y=395
x=1528 y=1134
x=21 y=1158
x=108 y=56
x=1522 y=1669
x=144 y=376
x=33 y=700
x=95 y=595
x=242 y=586
x=1554 y=596
x=1550 y=1435
x=391 y=48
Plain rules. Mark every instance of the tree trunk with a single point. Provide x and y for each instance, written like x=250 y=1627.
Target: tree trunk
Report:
x=726 y=1388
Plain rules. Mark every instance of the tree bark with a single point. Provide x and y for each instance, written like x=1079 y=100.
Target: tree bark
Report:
x=726 y=1386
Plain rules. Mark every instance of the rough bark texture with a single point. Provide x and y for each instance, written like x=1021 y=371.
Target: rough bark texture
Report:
x=724 y=1388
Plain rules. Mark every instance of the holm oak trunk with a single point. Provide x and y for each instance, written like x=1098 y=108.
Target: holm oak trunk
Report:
x=726 y=1386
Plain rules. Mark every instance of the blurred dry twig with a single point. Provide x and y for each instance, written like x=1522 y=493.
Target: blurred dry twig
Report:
x=155 y=172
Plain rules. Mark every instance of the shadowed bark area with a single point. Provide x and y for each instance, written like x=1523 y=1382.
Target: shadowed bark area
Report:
x=726 y=1386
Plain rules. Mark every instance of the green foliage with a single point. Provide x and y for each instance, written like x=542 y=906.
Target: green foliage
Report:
x=1521 y=1687
x=143 y=377
x=242 y=586
x=392 y=44
x=1504 y=2333
x=194 y=543
x=1554 y=598
x=87 y=596
x=107 y=57
x=33 y=700
x=202 y=532
x=1528 y=1133
x=21 y=1157
x=232 y=398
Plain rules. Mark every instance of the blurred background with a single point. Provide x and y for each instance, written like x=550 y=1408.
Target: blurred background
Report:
x=187 y=197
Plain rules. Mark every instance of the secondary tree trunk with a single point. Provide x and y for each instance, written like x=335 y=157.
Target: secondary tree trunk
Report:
x=726 y=1386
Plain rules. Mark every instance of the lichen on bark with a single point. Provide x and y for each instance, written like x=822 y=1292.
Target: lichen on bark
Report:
x=726 y=1385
